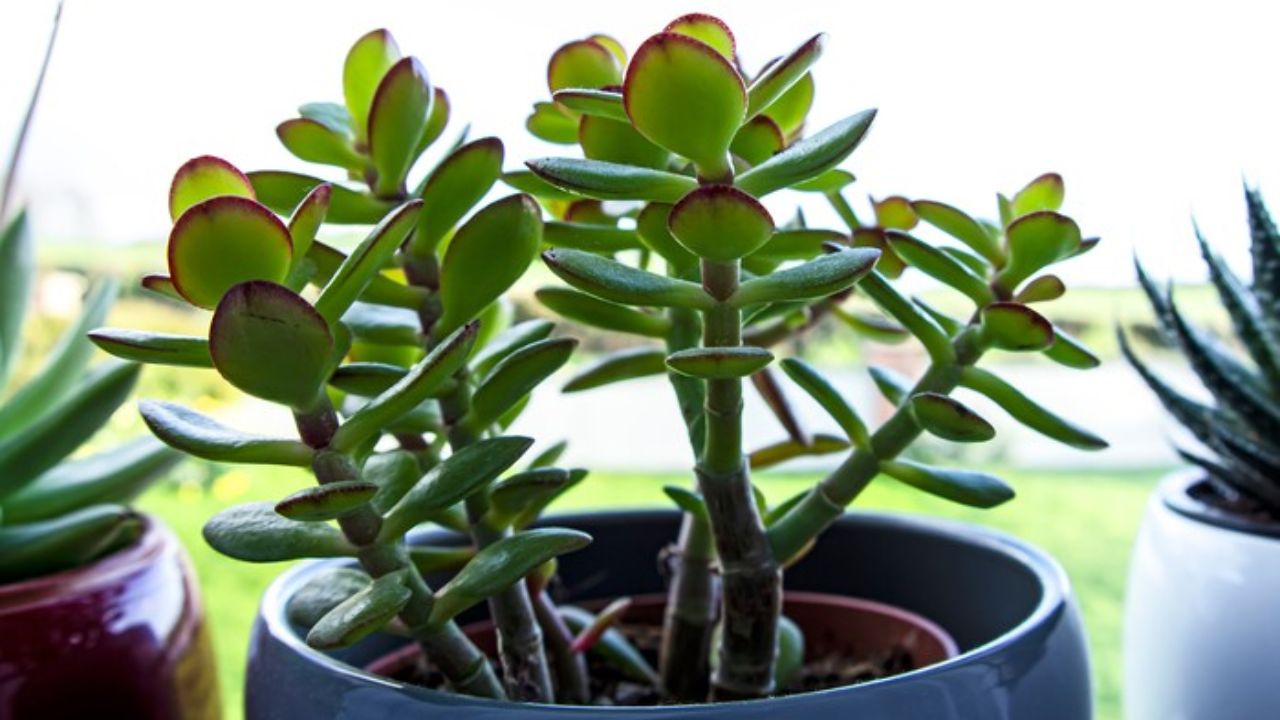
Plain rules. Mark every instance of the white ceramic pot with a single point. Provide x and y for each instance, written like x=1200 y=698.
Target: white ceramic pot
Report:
x=1202 y=614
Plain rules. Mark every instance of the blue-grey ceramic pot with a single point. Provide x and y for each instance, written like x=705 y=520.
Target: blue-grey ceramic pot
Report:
x=1007 y=604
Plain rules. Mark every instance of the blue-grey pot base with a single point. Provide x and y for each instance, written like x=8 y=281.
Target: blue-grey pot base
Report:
x=1007 y=604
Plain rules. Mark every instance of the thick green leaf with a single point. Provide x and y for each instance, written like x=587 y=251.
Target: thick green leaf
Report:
x=597 y=103
x=1247 y=318
x=927 y=330
x=501 y=565
x=366 y=379
x=527 y=181
x=801 y=244
x=203 y=437
x=553 y=123
x=327 y=502
x=383 y=325
x=47 y=546
x=828 y=183
x=512 y=495
x=710 y=30
x=807 y=158
x=583 y=64
x=589 y=237
x=618 y=366
x=941 y=267
x=282 y=191
x=780 y=452
x=670 y=71
x=317 y=142
x=428 y=559
x=153 y=348
x=334 y=116
x=1011 y=326
x=719 y=363
x=1028 y=412
x=1041 y=289
x=615 y=282
x=36 y=447
x=611 y=181
x=113 y=476
x=62 y=366
x=959 y=226
x=269 y=342
x=783 y=74
x=457 y=477
x=202 y=178
x=322 y=593
x=17 y=273
x=826 y=395
x=515 y=377
x=424 y=379
x=616 y=141
x=792 y=109
x=651 y=227
x=758 y=140
x=364 y=263
x=949 y=418
x=507 y=342
x=1264 y=248
x=397 y=120
x=367 y=62
x=1067 y=350
x=255 y=532
x=688 y=501
x=1043 y=193
x=963 y=486
x=1035 y=242
x=892 y=385
x=223 y=242
x=382 y=289
x=394 y=473
x=534 y=509
x=816 y=278
x=592 y=311
x=720 y=223
x=486 y=256
x=453 y=188
x=363 y=613
x=307 y=218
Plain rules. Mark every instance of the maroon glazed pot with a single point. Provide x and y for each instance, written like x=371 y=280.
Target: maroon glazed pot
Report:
x=123 y=637
x=832 y=624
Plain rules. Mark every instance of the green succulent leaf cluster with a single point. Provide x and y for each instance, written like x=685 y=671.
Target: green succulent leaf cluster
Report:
x=391 y=356
x=56 y=512
x=1234 y=435
x=660 y=234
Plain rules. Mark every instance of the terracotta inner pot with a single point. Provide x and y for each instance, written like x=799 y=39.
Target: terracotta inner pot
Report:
x=832 y=625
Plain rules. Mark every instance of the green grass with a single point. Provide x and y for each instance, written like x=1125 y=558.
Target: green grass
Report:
x=1085 y=519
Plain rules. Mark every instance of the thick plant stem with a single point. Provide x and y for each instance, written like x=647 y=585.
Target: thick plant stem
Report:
x=692 y=601
x=525 y=670
x=458 y=658
x=572 y=686
x=828 y=499
x=752 y=579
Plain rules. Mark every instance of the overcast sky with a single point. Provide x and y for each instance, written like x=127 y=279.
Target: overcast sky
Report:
x=1152 y=111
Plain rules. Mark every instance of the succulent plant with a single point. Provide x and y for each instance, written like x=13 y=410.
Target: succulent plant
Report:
x=396 y=368
x=1235 y=432
x=693 y=143
x=58 y=512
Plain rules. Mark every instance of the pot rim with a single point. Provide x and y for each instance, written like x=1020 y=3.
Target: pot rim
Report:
x=1174 y=491
x=103 y=571
x=1055 y=590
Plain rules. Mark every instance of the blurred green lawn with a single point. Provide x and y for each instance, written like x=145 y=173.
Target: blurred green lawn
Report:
x=1085 y=519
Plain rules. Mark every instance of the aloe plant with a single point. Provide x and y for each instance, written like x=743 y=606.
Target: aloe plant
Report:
x=694 y=143
x=1235 y=433
x=399 y=381
x=58 y=512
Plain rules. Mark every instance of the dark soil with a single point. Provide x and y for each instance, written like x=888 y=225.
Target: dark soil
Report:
x=609 y=687
x=1227 y=500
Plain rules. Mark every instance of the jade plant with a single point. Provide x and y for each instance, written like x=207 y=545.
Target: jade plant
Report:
x=395 y=365
x=1236 y=431
x=59 y=512
x=690 y=143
